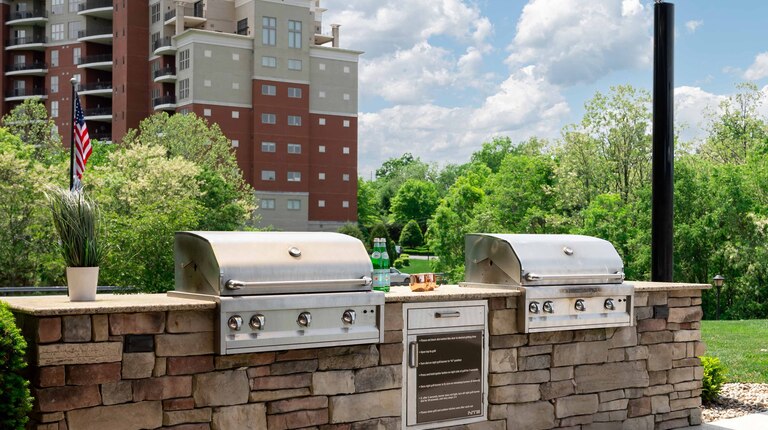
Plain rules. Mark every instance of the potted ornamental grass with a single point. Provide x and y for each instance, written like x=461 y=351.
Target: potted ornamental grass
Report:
x=76 y=219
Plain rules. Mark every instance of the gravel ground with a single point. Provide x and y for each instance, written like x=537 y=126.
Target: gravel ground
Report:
x=737 y=400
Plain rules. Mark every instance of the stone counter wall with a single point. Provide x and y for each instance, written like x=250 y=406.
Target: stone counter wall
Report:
x=157 y=369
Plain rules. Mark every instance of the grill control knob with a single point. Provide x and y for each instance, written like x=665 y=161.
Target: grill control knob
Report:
x=548 y=307
x=580 y=306
x=305 y=319
x=533 y=307
x=609 y=304
x=257 y=322
x=349 y=316
x=235 y=322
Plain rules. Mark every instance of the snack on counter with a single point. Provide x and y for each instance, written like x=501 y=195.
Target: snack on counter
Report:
x=423 y=282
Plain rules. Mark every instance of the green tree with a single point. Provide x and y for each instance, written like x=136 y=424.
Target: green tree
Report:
x=415 y=200
x=411 y=235
x=393 y=173
x=29 y=121
x=353 y=230
x=368 y=209
x=493 y=153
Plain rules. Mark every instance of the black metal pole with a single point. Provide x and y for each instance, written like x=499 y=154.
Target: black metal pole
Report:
x=717 y=310
x=662 y=231
x=72 y=138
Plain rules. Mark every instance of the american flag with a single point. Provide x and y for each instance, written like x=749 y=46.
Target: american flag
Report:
x=83 y=147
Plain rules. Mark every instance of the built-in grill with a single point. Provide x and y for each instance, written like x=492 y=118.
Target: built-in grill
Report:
x=568 y=282
x=281 y=290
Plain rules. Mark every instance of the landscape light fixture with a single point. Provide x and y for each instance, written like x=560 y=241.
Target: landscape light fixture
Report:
x=718 y=281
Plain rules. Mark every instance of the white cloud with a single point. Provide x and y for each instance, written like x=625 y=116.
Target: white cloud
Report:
x=693 y=25
x=691 y=107
x=573 y=41
x=758 y=69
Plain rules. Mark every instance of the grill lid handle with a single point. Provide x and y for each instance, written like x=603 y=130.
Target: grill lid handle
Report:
x=613 y=276
x=234 y=284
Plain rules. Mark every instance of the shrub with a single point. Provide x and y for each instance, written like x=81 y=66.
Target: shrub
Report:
x=405 y=258
x=411 y=235
x=15 y=401
x=713 y=380
x=76 y=219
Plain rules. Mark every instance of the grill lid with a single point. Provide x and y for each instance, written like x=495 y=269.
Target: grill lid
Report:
x=241 y=263
x=541 y=259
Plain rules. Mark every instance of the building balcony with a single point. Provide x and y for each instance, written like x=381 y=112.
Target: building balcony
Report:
x=163 y=46
x=164 y=103
x=97 y=8
x=36 y=17
x=20 y=94
x=98 y=114
x=101 y=89
x=193 y=16
x=34 y=43
x=28 y=69
x=101 y=137
x=99 y=62
x=102 y=36
x=166 y=74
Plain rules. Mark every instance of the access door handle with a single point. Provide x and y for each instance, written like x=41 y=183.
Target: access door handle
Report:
x=413 y=355
x=454 y=314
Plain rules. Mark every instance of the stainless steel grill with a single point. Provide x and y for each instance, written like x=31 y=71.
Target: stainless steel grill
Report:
x=567 y=282
x=281 y=290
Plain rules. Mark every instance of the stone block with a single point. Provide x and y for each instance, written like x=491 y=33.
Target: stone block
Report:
x=513 y=378
x=657 y=390
x=659 y=404
x=679 y=302
x=591 y=335
x=51 y=376
x=534 y=362
x=193 y=426
x=138 y=365
x=608 y=396
x=633 y=393
x=290 y=367
x=78 y=353
x=296 y=354
x=57 y=399
x=614 y=405
x=659 y=357
x=641 y=299
x=576 y=405
x=561 y=373
x=229 y=387
x=661 y=312
x=298 y=380
x=179 y=404
x=243 y=360
x=610 y=376
x=172 y=418
x=657 y=378
x=378 y=378
x=552 y=337
x=237 y=417
x=651 y=324
x=164 y=387
x=684 y=315
x=393 y=336
x=100 y=328
x=298 y=404
x=76 y=328
x=49 y=330
x=344 y=409
x=688 y=386
x=271 y=395
x=553 y=390
x=89 y=374
x=639 y=407
x=687 y=335
x=193 y=321
x=189 y=365
x=514 y=394
x=652 y=337
x=623 y=337
x=639 y=423
x=511 y=302
x=348 y=357
x=531 y=416
x=687 y=362
x=160 y=365
x=643 y=313
x=574 y=423
x=138 y=343
x=391 y=353
x=636 y=353
x=142 y=415
x=657 y=298
x=167 y=345
x=137 y=323
x=508 y=341
x=49 y=418
x=681 y=374
x=528 y=351
x=502 y=322
x=617 y=354
x=685 y=293
x=393 y=316
x=116 y=392
x=579 y=353
x=257 y=372
x=495 y=303
x=678 y=350
x=673 y=424
x=502 y=360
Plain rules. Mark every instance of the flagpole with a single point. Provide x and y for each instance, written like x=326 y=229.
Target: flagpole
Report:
x=73 y=81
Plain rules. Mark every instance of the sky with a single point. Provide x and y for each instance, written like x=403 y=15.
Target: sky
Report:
x=440 y=77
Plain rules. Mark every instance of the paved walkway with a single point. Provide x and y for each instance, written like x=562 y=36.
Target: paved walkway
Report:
x=747 y=422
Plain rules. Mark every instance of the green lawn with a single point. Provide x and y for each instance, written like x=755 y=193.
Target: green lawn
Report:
x=418 y=266
x=741 y=345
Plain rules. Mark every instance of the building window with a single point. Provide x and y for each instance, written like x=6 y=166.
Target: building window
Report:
x=74 y=29
x=294 y=64
x=207 y=53
x=184 y=59
x=321 y=66
x=346 y=123
x=294 y=34
x=206 y=82
x=235 y=143
x=321 y=121
x=269 y=61
x=57 y=32
x=321 y=176
x=345 y=204
x=346 y=69
x=55 y=58
x=321 y=148
x=321 y=203
x=54 y=84
x=75 y=56
x=294 y=205
x=268 y=146
x=57 y=7
x=74 y=6
x=345 y=177
x=242 y=26
x=154 y=40
x=267 y=204
x=268 y=31
x=321 y=94
x=235 y=114
x=235 y=85
x=267 y=175
x=345 y=150
x=54 y=109
x=184 y=88
x=346 y=96
x=235 y=57
x=268 y=90
x=268 y=118
x=294 y=93
x=155 y=12
x=294 y=148
x=294 y=176
x=206 y=112
x=294 y=120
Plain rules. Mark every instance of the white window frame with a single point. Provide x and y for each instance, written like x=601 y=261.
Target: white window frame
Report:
x=293 y=205
x=321 y=66
x=345 y=150
x=206 y=112
x=321 y=176
x=321 y=121
x=346 y=69
x=267 y=204
x=294 y=64
x=184 y=59
x=345 y=177
x=267 y=61
x=55 y=58
x=57 y=31
x=154 y=12
x=321 y=94
x=321 y=203
x=76 y=55
x=235 y=143
x=321 y=148
x=268 y=175
x=268 y=118
x=346 y=123
x=268 y=90
x=54 y=109
x=294 y=34
x=294 y=148
x=293 y=177
x=184 y=89
x=294 y=120
x=268 y=147
x=54 y=84
x=345 y=203
x=294 y=92
x=268 y=31
x=235 y=114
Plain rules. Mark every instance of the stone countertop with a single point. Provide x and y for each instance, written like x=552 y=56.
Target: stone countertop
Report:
x=449 y=292
x=642 y=286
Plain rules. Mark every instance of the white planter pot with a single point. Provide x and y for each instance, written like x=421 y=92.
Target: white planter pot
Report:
x=81 y=282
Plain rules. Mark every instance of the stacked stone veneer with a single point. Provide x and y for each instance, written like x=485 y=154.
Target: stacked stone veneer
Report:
x=157 y=369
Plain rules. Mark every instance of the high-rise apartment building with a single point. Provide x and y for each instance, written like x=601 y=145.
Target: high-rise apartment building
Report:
x=280 y=89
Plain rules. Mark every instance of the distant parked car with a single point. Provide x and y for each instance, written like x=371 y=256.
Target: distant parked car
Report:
x=397 y=277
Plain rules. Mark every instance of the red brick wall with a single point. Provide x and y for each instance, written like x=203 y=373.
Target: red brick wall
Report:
x=130 y=74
